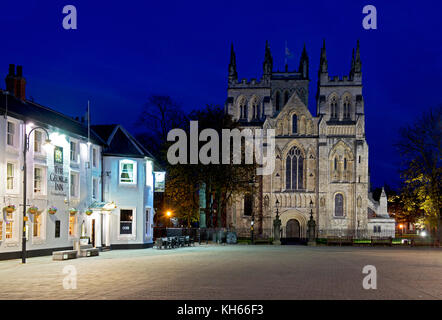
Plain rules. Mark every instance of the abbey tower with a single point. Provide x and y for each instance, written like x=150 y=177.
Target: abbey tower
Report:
x=321 y=161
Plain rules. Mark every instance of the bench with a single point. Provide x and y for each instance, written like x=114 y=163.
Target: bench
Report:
x=64 y=255
x=421 y=242
x=88 y=251
x=386 y=241
x=163 y=242
x=174 y=242
x=340 y=240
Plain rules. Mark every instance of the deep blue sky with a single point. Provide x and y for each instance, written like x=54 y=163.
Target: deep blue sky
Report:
x=124 y=51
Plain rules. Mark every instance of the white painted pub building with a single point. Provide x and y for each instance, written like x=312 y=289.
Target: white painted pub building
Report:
x=95 y=184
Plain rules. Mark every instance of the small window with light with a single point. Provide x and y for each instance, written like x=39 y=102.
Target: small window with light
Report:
x=128 y=172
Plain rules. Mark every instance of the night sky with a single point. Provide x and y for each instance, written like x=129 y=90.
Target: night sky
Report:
x=125 y=51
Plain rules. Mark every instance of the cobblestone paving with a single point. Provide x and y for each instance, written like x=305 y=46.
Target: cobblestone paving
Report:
x=231 y=272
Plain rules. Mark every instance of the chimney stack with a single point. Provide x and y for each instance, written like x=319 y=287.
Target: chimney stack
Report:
x=15 y=83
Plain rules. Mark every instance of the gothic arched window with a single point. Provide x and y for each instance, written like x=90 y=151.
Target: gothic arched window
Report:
x=248 y=204
x=243 y=108
x=286 y=97
x=334 y=108
x=295 y=124
x=277 y=101
x=294 y=171
x=347 y=108
x=255 y=110
x=339 y=205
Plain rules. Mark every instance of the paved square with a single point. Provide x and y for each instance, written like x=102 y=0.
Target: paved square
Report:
x=231 y=272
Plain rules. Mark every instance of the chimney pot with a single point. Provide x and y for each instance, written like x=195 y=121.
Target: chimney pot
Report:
x=19 y=71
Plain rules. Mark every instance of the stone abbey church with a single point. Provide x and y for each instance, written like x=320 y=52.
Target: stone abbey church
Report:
x=321 y=163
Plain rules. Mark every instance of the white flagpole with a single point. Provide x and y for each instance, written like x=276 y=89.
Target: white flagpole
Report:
x=88 y=123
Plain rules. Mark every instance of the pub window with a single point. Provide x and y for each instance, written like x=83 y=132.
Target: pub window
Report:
x=339 y=205
x=94 y=188
x=248 y=204
x=10 y=176
x=72 y=224
x=74 y=187
x=37 y=225
x=128 y=172
x=74 y=151
x=39 y=180
x=57 y=228
x=9 y=230
x=38 y=136
x=11 y=133
x=126 y=220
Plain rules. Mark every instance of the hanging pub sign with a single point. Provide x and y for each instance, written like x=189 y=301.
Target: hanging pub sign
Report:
x=160 y=181
x=58 y=155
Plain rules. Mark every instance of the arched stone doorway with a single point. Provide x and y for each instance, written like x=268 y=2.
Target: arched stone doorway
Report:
x=293 y=229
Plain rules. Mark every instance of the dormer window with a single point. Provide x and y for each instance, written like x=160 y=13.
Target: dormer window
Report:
x=128 y=172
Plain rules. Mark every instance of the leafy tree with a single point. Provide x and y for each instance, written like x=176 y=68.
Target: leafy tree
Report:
x=420 y=149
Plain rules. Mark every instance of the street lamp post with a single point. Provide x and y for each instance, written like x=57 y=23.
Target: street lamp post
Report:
x=252 y=222
x=25 y=150
x=277 y=226
x=311 y=227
